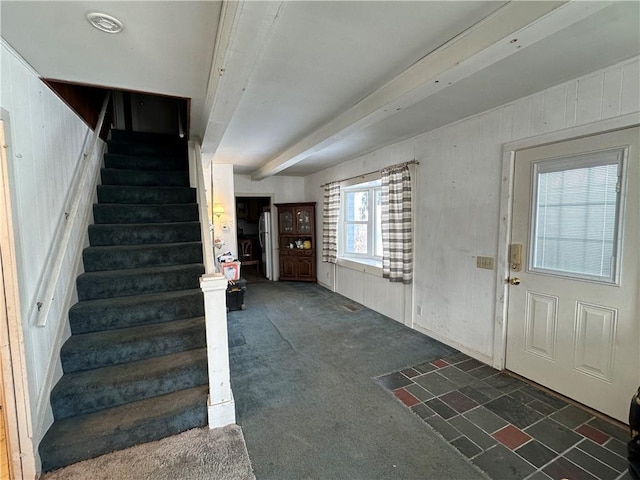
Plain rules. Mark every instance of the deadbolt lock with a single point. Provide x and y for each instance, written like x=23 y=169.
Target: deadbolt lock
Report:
x=515 y=257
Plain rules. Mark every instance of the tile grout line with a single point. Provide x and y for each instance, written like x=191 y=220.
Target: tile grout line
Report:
x=551 y=410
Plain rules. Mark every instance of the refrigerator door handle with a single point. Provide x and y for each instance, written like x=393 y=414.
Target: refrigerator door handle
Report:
x=261 y=231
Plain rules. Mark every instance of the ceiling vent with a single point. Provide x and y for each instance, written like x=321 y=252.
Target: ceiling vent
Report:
x=105 y=23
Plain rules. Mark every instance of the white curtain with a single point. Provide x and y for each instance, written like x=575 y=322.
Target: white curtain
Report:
x=397 y=231
x=330 y=214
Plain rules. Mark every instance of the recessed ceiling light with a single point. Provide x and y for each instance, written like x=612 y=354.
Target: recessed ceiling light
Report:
x=105 y=22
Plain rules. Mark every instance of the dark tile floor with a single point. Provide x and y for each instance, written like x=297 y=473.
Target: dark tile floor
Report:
x=508 y=428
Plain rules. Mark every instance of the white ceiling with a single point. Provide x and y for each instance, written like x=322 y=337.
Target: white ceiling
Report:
x=166 y=47
x=300 y=86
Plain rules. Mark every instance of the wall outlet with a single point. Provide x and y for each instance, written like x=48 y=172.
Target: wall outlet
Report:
x=484 y=262
x=419 y=310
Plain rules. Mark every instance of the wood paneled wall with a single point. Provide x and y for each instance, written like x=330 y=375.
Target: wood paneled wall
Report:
x=457 y=209
x=47 y=146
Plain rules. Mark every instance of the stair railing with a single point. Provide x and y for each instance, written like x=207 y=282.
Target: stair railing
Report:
x=75 y=216
x=220 y=404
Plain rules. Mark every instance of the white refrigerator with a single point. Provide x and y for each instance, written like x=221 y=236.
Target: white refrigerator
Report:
x=264 y=235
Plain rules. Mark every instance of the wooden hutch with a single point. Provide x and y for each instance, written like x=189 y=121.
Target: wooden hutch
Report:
x=297 y=241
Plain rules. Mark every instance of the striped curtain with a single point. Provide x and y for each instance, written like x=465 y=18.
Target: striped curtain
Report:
x=397 y=232
x=330 y=214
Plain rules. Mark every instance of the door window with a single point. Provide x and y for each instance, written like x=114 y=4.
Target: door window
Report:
x=575 y=217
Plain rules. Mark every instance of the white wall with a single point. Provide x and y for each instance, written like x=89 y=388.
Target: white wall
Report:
x=457 y=210
x=281 y=189
x=46 y=145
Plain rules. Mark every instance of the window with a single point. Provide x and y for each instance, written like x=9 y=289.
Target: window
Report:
x=360 y=228
x=575 y=217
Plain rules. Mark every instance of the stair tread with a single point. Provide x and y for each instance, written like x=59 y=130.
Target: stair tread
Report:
x=158 y=206
x=100 y=304
x=168 y=188
x=147 y=147
x=78 y=393
x=133 y=281
x=137 y=171
x=98 y=226
x=115 y=176
x=143 y=233
x=144 y=246
x=110 y=347
x=144 y=162
x=133 y=371
x=135 y=213
x=135 y=310
x=128 y=272
x=90 y=435
x=145 y=195
x=120 y=134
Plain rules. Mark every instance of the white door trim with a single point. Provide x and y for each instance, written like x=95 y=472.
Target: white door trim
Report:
x=506 y=199
x=12 y=355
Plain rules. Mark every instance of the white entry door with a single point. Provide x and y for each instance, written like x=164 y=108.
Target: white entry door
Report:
x=573 y=315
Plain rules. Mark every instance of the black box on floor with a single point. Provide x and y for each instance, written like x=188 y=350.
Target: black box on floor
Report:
x=235 y=294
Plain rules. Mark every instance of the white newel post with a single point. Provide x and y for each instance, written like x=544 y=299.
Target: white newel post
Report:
x=220 y=406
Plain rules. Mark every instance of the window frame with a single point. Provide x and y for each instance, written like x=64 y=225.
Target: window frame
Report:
x=372 y=186
x=616 y=156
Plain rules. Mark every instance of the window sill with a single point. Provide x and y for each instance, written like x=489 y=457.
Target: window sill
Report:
x=370 y=267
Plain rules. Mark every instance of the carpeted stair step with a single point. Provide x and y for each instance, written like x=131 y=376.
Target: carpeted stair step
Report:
x=146 y=195
x=89 y=436
x=168 y=149
x=134 y=213
x=144 y=178
x=138 y=162
x=138 y=256
x=136 y=234
x=138 y=281
x=94 y=390
x=147 y=137
x=113 y=347
x=137 y=310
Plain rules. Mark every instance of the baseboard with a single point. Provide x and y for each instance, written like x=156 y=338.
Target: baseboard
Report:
x=484 y=358
x=222 y=413
x=326 y=285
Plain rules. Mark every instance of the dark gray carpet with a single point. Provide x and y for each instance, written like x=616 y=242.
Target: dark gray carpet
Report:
x=305 y=395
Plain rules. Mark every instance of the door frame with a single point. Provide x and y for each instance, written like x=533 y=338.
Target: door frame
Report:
x=275 y=271
x=13 y=362
x=509 y=151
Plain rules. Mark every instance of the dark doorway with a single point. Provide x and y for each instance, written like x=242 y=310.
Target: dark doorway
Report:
x=128 y=110
x=254 y=250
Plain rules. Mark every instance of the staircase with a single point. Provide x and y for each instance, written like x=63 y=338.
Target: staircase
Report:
x=135 y=367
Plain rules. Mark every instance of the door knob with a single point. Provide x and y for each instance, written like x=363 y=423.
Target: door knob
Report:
x=514 y=281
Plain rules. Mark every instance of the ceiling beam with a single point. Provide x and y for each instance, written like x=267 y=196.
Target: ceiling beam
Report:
x=512 y=27
x=243 y=32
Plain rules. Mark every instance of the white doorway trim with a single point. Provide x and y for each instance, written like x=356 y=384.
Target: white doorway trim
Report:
x=13 y=367
x=506 y=198
x=275 y=269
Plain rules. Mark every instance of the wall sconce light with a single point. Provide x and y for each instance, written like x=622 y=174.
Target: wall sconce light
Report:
x=218 y=210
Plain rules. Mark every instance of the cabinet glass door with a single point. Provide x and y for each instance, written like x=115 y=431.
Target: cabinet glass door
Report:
x=286 y=221
x=303 y=218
